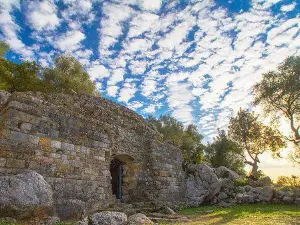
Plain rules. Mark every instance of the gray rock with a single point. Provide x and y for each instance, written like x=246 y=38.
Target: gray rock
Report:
x=109 y=218
x=262 y=182
x=4 y=96
x=24 y=194
x=222 y=195
x=224 y=172
x=72 y=209
x=245 y=198
x=224 y=205
x=85 y=221
x=50 y=221
x=139 y=219
x=297 y=201
x=202 y=184
x=288 y=199
x=266 y=194
x=8 y=220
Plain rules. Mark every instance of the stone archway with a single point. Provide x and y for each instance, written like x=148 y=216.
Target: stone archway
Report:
x=116 y=171
x=123 y=169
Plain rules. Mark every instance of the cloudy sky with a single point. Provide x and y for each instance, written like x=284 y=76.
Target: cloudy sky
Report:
x=194 y=59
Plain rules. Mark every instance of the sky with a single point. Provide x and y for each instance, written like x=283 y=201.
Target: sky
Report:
x=196 y=60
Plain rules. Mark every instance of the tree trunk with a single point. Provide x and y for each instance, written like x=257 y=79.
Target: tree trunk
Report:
x=254 y=171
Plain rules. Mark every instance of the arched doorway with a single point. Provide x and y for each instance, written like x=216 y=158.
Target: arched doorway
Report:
x=116 y=170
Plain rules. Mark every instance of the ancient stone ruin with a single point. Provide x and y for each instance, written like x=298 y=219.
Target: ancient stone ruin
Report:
x=71 y=156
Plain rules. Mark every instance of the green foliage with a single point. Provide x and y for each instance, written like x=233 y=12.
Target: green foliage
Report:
x=254 y=137
x=3 y=49
x=241 y=182
x=19 y=77
x=254 y=214
x=187 y=139
x=225 y=152
x=279 y=93
x=67 y=76
x=292 y=181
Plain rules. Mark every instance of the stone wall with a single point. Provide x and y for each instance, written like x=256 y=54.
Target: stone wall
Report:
x=71 y=140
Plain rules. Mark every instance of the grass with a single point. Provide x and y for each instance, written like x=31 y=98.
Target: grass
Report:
x=248 y=214
x=254 y=214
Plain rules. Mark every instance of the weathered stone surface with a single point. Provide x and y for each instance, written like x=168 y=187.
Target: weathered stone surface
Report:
x=139 y=219
x=202 y=184
x=223 y=172
x=72 y=209
x=266 y=194
x=50 y=221
x=24 y=194
x=109 y=218
x=4 y=96
x=264 y=181
x=288 y=199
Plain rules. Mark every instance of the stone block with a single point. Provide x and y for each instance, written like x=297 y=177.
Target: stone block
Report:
x=2 y=162
x=67 y=146
x=15 y=163
x=25 y=127
x=55 y=144
x=18 y=136
x=33 y=139
x=84 y=149
x=98 y=144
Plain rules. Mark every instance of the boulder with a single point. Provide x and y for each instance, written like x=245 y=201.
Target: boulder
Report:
x=297 y=201
x=139 y=219
x=108 y=218
x=288 y=199
x=224 y=172
x=71 y=209
x=262 y=182
x=25 y=195
x=266 y=194
x=50 y=221
x=202 y=184
x=245 y=198
x=4 y=96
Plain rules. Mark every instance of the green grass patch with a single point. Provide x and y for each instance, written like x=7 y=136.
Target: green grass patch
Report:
x=254 y=214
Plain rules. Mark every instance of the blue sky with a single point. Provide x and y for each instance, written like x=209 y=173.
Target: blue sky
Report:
x=195 y=60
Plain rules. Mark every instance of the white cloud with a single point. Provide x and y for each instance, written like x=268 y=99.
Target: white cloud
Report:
x=70 y=41
x=288 y=8
x=117 y=76
x=10 y=29
x=151 y=5
x=42 y=15
x=112 y=91
x=97 y=71
x=127 y=92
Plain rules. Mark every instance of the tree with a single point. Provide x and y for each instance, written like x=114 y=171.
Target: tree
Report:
x=3 y=49
x=225 y=152
x=293 y=181
x=68 y=76
x=254 y=138
x=187 y=139
x=19 y=77
x=279 y=93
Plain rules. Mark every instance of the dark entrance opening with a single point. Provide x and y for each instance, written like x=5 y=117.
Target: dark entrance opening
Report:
x=116 y=170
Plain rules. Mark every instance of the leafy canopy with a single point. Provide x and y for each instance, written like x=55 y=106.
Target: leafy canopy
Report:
x=225 y=152
x=254 y=137
x=187 y=139
x=67 y=76
x=279 y=93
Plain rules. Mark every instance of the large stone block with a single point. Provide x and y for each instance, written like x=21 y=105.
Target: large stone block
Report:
x=25 y=195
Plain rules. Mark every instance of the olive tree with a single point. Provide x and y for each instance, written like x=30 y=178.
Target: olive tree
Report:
x=279 y=94
x=254 y=138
